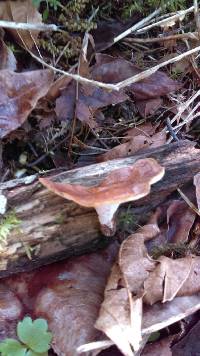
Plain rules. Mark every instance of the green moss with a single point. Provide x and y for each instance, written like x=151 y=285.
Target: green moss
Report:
x=127 y=221
x=147 y=6
x=7 y=224
x=60 y=219
x=74 y=18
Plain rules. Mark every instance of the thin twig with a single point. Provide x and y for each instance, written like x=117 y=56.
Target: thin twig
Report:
x=189 y=118
x=76 y=77
x=180 y=36
x=137 y=26
x=171 y=130
x=184 y=107
x=178 y=16
x=29 y=26
x=120 y=85
x=188 y=201
x=150 y=71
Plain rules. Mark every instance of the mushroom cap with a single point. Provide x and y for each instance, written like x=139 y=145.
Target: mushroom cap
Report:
x=121 y=185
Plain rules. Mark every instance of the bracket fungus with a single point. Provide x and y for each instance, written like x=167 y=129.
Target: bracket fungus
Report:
x=119 y=186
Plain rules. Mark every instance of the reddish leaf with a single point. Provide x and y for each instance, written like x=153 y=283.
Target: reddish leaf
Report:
x=112 y=70
x=19 y=93
x=89 y=100
x=71 y=302
x=10 y=311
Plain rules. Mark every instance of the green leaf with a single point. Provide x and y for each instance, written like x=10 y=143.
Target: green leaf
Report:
x=34 y=334
x=45 y=14
x=154 y=336
x=36 y=3
x=32 y=353
x=12 y=347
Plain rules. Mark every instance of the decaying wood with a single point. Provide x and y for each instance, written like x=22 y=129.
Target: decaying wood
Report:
x=52 y=228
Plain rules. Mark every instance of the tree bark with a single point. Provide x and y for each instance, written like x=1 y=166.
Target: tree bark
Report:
x=52 y=228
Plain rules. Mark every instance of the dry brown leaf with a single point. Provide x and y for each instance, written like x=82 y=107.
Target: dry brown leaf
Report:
x=21 y=11
x=159 y=315
x=126 y=149
x=146 y=129
x=115 y=314
x=180 y=218
x=135 y=278
x=164 y=283
x=19 y=93
x=134 y=262
x=192 y=283
x=137 y=139
x=120 y=315
x=149 y=106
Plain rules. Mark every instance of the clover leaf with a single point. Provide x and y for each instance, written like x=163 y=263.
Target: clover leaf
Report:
x=32 y=353
x=11 y=347
x=34 y=334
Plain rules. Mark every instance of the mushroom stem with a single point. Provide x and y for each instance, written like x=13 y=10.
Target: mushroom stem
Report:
x=106 y=216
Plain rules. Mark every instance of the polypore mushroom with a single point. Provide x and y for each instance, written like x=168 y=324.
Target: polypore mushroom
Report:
x=120 y=186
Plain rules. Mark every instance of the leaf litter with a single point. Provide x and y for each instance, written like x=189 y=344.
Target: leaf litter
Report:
x=150 y=281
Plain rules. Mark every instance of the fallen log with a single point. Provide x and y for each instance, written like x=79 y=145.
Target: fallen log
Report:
x=49 y=228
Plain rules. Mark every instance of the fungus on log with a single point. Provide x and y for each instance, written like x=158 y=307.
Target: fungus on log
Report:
x=121 y=185
x=51 y=228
